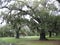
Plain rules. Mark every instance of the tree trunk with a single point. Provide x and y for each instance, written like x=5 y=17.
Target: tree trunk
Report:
x=17 y=34
x=42 y=35
x=56 y=34
x=50 y=34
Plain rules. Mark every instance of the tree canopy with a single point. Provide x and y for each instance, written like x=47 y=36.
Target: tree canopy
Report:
x=39 y=12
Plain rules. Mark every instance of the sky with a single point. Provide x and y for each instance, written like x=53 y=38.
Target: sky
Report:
x=4 y=23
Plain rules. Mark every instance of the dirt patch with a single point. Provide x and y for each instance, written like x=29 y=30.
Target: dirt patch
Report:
x=48 y=42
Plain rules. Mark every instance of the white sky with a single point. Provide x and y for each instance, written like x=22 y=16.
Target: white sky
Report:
x=4 y=23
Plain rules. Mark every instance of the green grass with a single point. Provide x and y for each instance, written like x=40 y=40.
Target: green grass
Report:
x=28 y=40
x=54 y=38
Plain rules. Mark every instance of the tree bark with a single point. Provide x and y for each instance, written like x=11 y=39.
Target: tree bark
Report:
x=17 y=34
x=56 y=34
x=50 y=34
x=42 y=35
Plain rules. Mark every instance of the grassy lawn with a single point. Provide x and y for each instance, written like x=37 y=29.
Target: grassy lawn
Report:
x=30 y=40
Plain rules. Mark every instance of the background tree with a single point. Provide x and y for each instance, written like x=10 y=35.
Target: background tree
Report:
x=6 y=31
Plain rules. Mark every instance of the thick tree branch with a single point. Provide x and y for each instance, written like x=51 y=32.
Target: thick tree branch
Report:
x=58 y=1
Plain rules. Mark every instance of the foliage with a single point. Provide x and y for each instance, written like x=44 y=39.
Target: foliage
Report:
x=6 y=31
